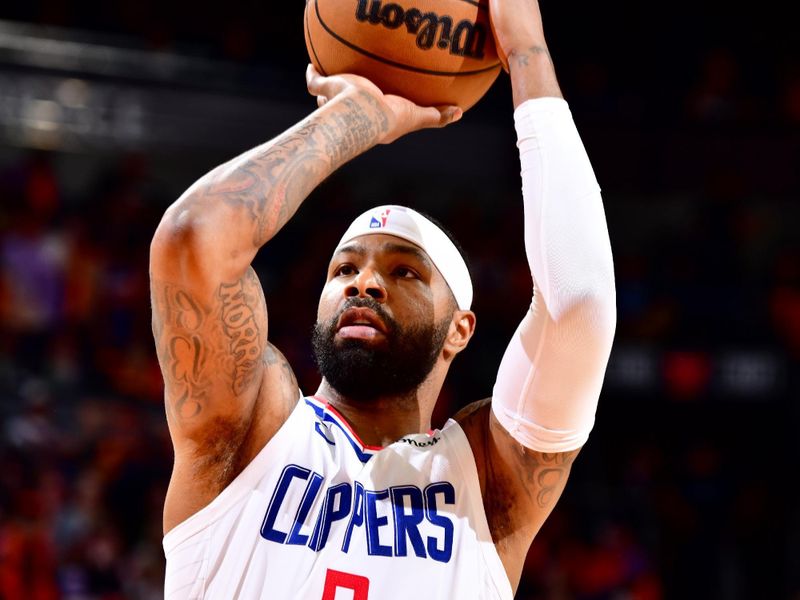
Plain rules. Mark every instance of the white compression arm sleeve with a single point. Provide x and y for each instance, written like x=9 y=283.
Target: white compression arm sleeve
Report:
x=550 y=377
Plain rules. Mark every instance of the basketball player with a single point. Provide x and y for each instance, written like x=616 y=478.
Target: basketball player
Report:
x=347 y=493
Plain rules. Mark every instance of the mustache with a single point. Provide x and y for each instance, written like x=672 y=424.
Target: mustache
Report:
x=370 y=303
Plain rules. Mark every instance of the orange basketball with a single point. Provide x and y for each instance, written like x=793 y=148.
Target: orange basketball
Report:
x=433 y=52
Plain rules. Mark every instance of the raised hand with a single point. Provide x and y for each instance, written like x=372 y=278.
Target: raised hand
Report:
x=402 y=116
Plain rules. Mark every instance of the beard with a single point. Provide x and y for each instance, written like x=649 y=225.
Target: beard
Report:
x=362 y=371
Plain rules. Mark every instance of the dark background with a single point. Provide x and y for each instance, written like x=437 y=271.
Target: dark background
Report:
x=691 y=115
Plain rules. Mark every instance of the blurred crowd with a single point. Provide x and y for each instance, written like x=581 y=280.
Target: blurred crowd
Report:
x=684 y=491
x=85 y=457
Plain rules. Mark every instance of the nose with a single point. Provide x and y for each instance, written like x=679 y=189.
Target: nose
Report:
x=367 y=283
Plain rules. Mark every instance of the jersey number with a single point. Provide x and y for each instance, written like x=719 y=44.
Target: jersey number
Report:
x=337 y=580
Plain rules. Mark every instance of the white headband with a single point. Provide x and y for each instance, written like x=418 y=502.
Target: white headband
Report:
x=411 y=226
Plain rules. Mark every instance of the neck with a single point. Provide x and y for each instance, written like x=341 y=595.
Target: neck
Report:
x=384 y=420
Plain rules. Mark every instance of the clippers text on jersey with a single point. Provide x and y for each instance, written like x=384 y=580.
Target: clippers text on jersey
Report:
x=420 y=524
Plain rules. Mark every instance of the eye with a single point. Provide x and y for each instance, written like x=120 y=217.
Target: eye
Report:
x=344 y=271
x=406 y=273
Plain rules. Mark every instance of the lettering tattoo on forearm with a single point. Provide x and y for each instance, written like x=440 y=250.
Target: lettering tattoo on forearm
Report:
x=349 y=133
x=271 y=181
x=523 y=57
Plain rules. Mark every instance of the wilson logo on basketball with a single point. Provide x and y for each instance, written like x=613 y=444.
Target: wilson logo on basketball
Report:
x=464 y=39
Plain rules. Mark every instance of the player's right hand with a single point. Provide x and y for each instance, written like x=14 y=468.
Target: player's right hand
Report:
x=402 y=116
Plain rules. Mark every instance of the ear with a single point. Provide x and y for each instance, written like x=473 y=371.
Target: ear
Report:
x=461 y=329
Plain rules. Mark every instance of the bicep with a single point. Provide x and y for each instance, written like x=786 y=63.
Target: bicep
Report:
x=211 y=339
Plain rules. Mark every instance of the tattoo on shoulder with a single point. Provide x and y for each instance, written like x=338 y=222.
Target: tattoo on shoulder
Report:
x=273 y=357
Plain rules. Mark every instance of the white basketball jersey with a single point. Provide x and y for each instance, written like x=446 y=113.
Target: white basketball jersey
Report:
x=319 y=516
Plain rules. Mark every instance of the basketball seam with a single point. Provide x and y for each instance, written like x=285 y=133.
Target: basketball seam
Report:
x=397 y=64
x=311 y=44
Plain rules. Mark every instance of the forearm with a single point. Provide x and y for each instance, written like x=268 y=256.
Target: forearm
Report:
x=532 y=73
x=566 y=237
x=229 y=213
x=518 y=24
x=550 y=378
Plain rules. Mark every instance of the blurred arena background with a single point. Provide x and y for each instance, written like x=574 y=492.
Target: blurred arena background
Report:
x=691 y=114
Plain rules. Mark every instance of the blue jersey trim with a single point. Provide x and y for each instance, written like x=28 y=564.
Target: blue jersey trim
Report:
x=363 y=454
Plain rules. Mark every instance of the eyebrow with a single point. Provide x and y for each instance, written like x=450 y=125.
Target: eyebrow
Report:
x=391 y=248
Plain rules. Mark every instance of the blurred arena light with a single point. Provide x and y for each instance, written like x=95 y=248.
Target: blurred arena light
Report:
x=80 y=92
x=68 y=113
x=750 y=373
x=633 y=368
x=70 y=90
x=36 y=47
x=732 y=374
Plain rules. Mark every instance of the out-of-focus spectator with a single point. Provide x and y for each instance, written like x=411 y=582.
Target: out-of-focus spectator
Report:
x=717 y=96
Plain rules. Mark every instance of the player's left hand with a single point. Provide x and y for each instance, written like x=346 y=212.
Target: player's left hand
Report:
x=403 y=116
x=516 y=25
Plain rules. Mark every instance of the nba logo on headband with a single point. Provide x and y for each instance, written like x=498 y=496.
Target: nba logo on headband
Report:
x=381 y=221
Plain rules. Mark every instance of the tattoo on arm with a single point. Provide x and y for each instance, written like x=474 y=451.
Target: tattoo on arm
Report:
x=178 y=321
x=271 y=181
x=215 y=347
x=205 y=347
x=523 y=58
x=546 y=476
x=241 y=330
x=525 y=484
x=289 y=384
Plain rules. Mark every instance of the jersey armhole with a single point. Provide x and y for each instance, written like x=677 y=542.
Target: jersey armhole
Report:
x=246 y=481
x=469 y=470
